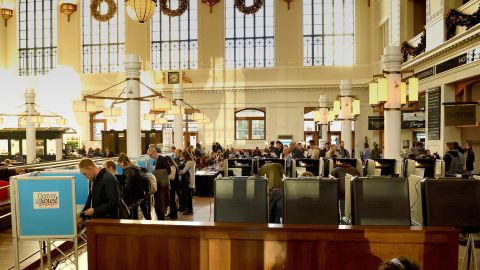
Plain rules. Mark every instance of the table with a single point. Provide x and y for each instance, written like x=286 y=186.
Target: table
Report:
x=204 y=182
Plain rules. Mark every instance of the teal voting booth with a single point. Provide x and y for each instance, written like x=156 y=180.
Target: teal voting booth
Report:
x=43 y=209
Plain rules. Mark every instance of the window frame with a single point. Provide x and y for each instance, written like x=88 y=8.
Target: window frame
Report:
x=250 y=119
x=191 y=43
x=28 y=55
x=116 y=48
x=310 y=46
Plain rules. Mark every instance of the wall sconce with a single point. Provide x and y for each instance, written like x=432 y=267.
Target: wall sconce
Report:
x=348 y=110
x=112 y=112
x=68 y=7
x=6 y=14
x=210 y=3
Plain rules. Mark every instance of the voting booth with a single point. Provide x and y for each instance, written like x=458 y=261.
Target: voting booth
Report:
x=44 y=209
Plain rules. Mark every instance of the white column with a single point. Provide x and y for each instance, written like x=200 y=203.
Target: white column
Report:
x=178 y=119
x=59 y=149
x=132 y=72
x=323 y=101
x=30 y=127
x=392 y=61
x=346 y=113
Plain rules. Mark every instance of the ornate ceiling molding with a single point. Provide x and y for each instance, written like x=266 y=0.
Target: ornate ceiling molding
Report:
x=333 y=88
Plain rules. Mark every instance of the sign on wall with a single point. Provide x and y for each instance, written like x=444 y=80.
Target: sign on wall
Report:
x=413 y=119
x=375 y=123
x=434 y=124
x=461 y=115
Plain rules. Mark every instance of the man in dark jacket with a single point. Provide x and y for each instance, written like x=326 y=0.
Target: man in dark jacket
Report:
x=104 y=198
x=161 y=196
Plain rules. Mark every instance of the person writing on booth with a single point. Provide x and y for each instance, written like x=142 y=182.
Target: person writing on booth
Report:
x=104 y=198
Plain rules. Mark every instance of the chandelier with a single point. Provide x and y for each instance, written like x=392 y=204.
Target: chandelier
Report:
x=140 y=10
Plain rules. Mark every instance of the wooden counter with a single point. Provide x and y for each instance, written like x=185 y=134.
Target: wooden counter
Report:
x=127 y=244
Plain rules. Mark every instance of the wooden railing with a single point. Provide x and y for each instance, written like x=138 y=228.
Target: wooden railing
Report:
x=128 y=244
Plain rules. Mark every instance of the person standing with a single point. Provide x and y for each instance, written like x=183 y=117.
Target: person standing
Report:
x=366 y=152
x=161 y=196
x=174 y=186
x=104 y=197
x=470 y=157
x=342 y=151
x=188 y=181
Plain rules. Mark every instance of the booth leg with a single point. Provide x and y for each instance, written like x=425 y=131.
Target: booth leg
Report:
x=49 y=254
x=75 y=246
x=40 y=243
x=469 y=254
x=16 y=255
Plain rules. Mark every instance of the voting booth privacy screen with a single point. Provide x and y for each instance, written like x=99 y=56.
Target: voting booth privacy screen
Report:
x=45 y=207
x=310 y=201
x=451 y=202
x=380 y=201
x=242 y=200
x=81 y=183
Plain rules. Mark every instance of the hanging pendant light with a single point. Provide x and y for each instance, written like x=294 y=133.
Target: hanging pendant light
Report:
x=382 y=90
x=84 y=106
x=112 y=112
x=356 y=107
x=403 y=93
x=336 y=107
x=149 y=116
x=373 y=93
x=331 y=116
x=160 y=121
x=198 y=116
x=160 y=104
x=62 y=122
x=140 y=10
x=413 y=89
x=176 y=110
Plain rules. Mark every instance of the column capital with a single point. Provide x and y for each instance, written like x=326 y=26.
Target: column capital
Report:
x=132 y=66
x=346 y=87
x=323 y=101
x=392 y=59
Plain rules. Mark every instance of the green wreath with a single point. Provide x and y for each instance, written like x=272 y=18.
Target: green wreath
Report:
x=240 y=5
x=95 y=10
x=182 y=7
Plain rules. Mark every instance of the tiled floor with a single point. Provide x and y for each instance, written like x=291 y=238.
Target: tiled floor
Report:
x=203 y=211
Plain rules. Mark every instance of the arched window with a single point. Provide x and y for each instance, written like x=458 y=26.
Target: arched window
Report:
x=103 y=43
x=37 y=36
x=174 y=39
x=249 y=39
x=250 y=124
x=328 y=32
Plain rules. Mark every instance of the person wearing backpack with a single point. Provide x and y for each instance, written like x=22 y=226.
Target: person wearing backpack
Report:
x=188 y=181
x=135 y=193
x=454 y=161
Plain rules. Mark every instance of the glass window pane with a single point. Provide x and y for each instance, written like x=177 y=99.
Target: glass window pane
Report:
x=51 y=147
x=328 y=31
x=15 y=146
x=308 y=125
x=40 y=147
x=4 y=147
x=24 y=147
x=241 y=129
x=250 y=113
x=258 y=129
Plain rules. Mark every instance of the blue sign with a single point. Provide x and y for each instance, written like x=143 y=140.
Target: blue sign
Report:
x=45 y=207
x=81 y=183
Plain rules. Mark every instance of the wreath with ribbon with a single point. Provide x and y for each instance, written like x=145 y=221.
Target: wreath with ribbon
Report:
x=257 y=5
x=95 y=10
x=408 y=49
x=182 y=7
x=455 y=18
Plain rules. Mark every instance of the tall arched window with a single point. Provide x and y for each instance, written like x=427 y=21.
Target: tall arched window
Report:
x=174 y=39
x=328 y=32
x=103 y=43
x=250 y=124
x=249 y=39
x=37 y=36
